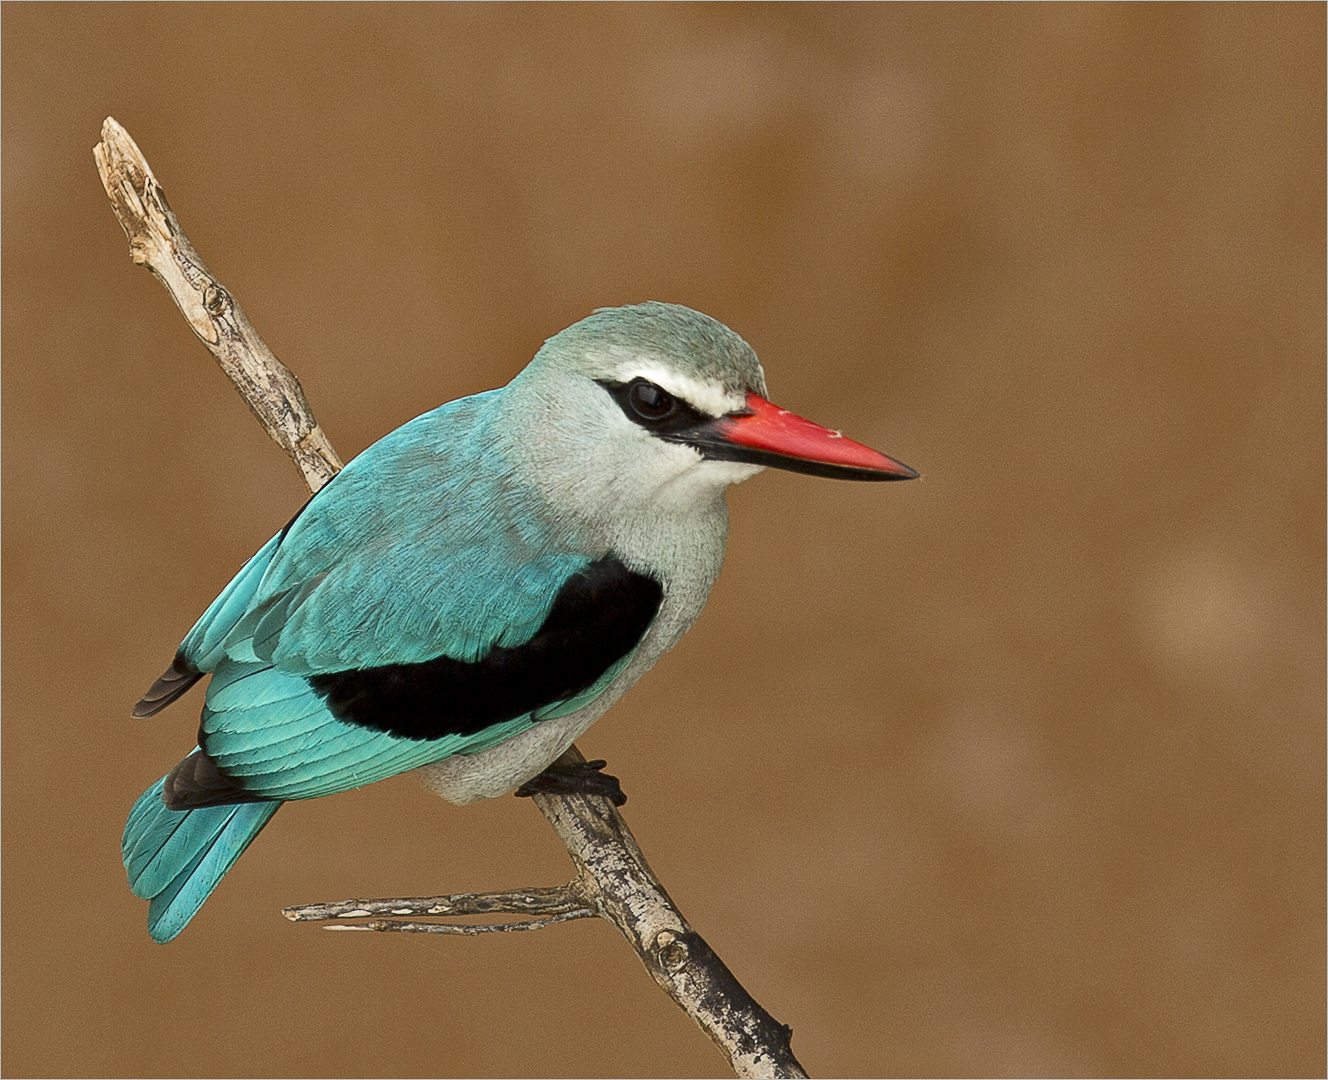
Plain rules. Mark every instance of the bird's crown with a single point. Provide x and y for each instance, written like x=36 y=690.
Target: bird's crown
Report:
x=693 y=356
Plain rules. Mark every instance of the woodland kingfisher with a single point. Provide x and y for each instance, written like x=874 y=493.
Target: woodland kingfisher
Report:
x=472 y=591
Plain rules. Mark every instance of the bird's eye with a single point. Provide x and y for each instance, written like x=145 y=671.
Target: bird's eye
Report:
x=649 y=401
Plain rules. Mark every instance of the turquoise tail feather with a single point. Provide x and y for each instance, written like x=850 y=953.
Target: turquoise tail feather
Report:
x=175 y=858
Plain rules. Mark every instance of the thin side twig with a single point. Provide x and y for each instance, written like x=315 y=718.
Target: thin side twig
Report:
x=541 y=901
x=551 y=905
x=464 y=929
x=613 y=881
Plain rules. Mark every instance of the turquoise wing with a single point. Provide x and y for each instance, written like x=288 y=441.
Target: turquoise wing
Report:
x=274 y=737
x=418 y=607
x=424 y=545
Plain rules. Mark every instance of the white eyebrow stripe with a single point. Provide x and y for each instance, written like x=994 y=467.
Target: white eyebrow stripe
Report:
x=705 y=397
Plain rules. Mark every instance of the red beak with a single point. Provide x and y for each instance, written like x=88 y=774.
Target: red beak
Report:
x=764 y=434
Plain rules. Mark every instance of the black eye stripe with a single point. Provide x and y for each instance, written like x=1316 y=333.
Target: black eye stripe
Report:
x=653 y=407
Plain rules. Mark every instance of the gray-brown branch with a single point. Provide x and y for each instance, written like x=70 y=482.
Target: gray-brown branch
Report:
x=613 y=880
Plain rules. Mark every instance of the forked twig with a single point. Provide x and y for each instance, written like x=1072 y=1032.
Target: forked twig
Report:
x=613 y=880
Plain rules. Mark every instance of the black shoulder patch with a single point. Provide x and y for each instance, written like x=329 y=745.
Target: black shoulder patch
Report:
x=173 y=683
x=597 y=618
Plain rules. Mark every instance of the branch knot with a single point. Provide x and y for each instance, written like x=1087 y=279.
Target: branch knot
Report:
x=671 y=951
x=216 y=300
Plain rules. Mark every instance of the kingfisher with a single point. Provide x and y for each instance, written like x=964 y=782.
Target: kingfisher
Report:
x=472 y=591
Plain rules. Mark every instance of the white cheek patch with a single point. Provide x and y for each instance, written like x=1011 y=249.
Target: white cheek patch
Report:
x=704 y=397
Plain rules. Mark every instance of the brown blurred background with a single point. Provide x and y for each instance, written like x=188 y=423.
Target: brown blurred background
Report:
x=1015 y=770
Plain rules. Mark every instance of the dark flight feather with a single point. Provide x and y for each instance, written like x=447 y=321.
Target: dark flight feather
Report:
x=172 y=684
x=197 y=782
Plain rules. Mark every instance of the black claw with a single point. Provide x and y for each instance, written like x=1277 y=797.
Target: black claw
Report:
x=575 y=778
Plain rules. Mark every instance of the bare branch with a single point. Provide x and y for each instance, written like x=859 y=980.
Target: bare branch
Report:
x=613 y=880
x=157 y=242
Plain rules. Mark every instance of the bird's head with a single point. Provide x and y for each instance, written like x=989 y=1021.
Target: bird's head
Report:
x=657 y=400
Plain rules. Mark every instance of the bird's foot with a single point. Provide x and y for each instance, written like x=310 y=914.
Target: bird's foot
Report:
x=575 y=778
